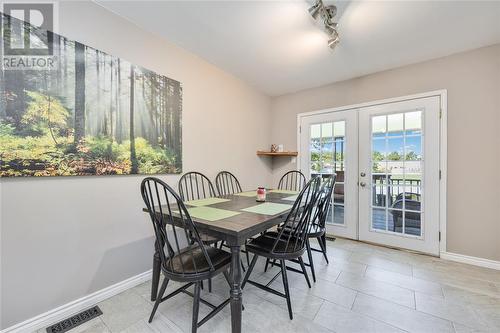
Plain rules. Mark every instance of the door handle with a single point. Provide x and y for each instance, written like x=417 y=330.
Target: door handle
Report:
x=362 y=184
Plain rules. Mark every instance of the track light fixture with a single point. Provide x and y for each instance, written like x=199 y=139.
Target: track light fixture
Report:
x=327 y=14
x=334 y=40
x=315 y=10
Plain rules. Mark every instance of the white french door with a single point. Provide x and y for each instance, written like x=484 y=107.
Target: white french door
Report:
x=399 y=174
x=330 y=143
x=386 y=158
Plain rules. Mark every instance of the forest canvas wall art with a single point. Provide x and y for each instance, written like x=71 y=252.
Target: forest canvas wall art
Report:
x=91 y=113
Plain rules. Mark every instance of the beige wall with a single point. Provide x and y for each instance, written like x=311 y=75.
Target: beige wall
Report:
x=64 y=238
x=473 y=83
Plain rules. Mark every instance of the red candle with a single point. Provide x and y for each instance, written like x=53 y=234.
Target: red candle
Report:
x=261 y=194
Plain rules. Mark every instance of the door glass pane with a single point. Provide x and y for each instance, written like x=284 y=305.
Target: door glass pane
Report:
x=327 y=130
x=395 y=220
x=395 y=124
x=315 y=131
x=339 y=129
x=327 y=149
x=413 y=196
x=379 y=126
x=413 y=148
x=395 y=149
x=338 y=212
x=379 y=167
x=339 y=169
x=413 y=123
x=379 y=219
x=413 y=223
x=396 y=181
x=338 y=198
x=379 y=190
x=378 y=149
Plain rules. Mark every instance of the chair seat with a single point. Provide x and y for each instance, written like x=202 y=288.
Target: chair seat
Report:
x=194 y=262
x=263 y=246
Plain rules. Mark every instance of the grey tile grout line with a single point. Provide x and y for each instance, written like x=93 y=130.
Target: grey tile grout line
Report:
x=105 y=325
x=354 y=301
x=459 y=287
x=376 y=319
x=384 y=282
x=433 y=270
x=441 y=282
x=317 y=311
x=429 y=314
x=393 y=284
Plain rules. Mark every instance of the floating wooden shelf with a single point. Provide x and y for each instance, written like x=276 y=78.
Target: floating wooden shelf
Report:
x=283 y=153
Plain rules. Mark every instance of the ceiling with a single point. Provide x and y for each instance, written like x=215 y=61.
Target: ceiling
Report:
x=278 y=48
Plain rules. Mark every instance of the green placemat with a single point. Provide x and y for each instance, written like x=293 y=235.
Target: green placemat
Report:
x=292 y=198
x=268 y=208
x=247 y=193
x=210 y=214
x=205 y=202
x=285 y=191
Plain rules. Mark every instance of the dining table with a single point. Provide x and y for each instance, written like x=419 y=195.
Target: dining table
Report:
x=233 y=219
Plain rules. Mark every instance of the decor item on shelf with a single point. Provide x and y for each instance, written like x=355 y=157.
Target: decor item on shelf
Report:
x=281 y=149
x=90 y=113
x=274 y=148
x=326 y=13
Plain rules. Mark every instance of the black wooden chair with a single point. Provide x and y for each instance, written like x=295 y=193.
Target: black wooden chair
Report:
x=318 y=224
x=288 y=243
x=227 y=183
x=293 y=180
x=195 y=186
x=183 y=255
x=317 y=228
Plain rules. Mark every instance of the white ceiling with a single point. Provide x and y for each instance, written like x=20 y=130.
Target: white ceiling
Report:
x=276 y=46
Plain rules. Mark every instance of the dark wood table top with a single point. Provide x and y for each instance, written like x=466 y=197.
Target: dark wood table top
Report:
x=237 y=229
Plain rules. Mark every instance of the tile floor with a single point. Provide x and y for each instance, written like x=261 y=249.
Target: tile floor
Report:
x=365 y=288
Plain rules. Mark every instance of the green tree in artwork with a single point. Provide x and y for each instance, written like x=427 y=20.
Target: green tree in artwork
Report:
x=45 y=114
x=91 y=114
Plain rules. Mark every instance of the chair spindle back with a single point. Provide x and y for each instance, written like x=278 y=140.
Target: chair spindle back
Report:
x=194 y=186
x=227 y=183
x=293 y=180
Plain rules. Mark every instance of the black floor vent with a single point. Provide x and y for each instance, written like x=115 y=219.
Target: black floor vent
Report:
x=74 y=321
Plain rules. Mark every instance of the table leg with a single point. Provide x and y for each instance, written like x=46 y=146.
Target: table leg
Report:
x=156 y=275
x=236 y=296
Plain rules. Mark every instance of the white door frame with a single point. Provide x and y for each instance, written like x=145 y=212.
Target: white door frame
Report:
x=443 y=145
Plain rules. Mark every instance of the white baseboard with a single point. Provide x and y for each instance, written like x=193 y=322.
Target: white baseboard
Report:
x=53 y=316
x=471 y=260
